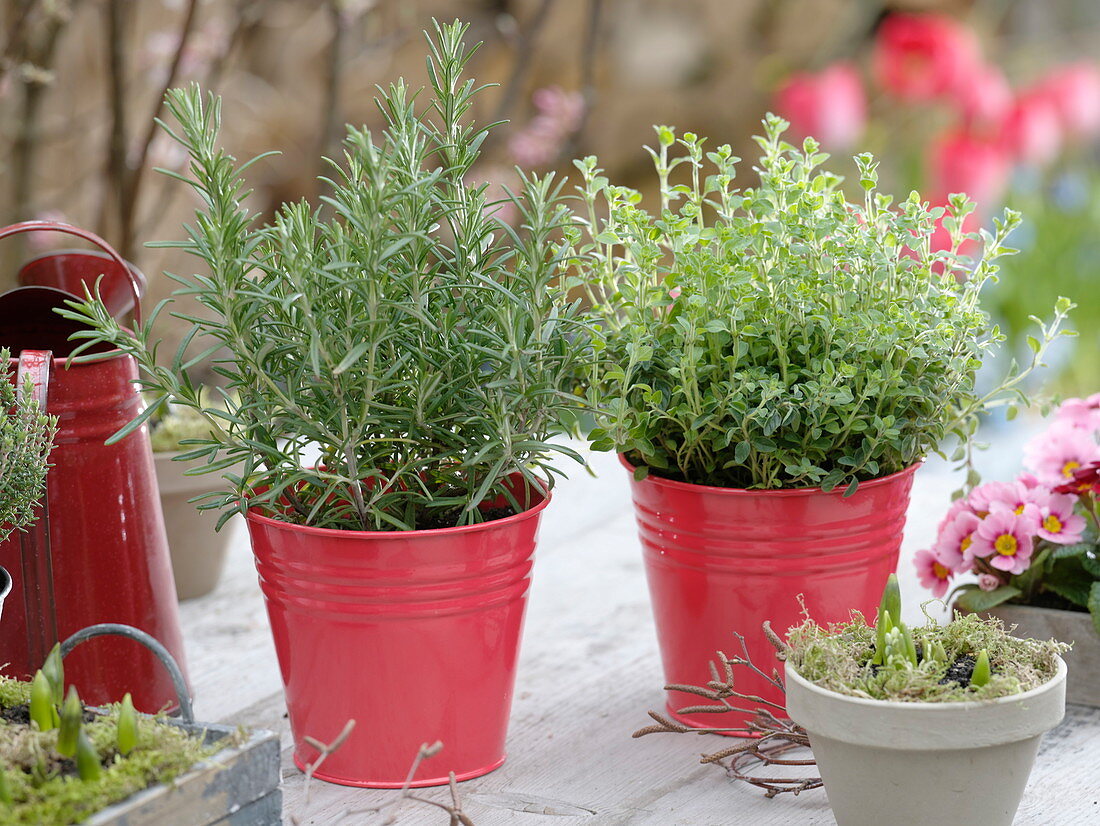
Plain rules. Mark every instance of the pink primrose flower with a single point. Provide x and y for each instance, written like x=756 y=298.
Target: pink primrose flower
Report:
x=932 y=572
x=983 y=497
x=989 y=582
x=1083 y=413
x=1006 y=539
x=1058 y=523
x=955 y=539
x=1056 y=453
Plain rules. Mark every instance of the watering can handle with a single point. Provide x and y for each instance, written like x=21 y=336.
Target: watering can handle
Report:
x=108 y=629
x=36 y=553
x=90 y=237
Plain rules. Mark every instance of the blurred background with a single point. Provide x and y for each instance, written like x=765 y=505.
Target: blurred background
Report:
x=997 y=98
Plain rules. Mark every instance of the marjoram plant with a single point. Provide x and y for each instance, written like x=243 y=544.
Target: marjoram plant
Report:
x=1033 y=540
x=421 y=347
x=780 y=336
x=26 y=438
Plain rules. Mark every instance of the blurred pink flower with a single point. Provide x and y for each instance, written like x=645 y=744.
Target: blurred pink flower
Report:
x=932 y=572
x=1083 y=413
x=1074 y=89
x=1058 y=523
x=962 y=161
x=829 y=105
x=921 y=57
x=1032 y=129
x=988 y=582
x=1006 y=539
x=954 y=540
x=541 y=141
x=1056 y=453
x=985 y=98
x=941 y=238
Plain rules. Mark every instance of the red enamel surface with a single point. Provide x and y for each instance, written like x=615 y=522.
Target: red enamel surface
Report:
x=721 y=560
x=414 y=635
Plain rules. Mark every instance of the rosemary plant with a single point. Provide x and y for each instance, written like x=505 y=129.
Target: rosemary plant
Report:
x=421 y=346
x=26 y=438
x=781 y=336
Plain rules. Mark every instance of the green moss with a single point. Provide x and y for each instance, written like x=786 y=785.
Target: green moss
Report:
x=162 y=753
x=838 y=658
x=14 y=692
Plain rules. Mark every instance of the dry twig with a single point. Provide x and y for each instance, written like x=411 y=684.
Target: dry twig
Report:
x=768 y=738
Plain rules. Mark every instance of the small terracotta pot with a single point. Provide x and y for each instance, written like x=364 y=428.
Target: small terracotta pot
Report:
x=197 y=550
x=925 y=764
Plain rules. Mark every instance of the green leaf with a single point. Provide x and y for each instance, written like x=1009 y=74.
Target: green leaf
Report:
x=640 y=473
x=976 y=600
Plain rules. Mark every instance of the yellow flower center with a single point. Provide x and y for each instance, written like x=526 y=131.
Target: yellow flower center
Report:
x=940 y=571
x=1069 y=467
x=1005 y=544
x=967 y=542
x=1053 y=524
x=1019 y=509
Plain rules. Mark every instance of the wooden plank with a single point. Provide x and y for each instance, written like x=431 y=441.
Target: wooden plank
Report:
x=589 y=670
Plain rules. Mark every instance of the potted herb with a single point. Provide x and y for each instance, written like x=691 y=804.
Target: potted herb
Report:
x=417 y=348
x=941 y=723
x=26 y=438
x=1032 y=543
x=198 y=551
x=775 y=363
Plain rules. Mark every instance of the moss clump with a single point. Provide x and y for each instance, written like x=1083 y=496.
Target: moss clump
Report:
x=44 y=787
x=839 y=658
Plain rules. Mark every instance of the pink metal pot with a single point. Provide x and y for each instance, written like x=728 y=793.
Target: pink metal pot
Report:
x=98 y=553
x=724 y=560
x=414 y=635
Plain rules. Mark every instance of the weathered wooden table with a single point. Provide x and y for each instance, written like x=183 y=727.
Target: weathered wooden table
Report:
x=588 y=673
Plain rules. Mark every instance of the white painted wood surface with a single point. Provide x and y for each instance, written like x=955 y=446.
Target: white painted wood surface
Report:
x=589 y=671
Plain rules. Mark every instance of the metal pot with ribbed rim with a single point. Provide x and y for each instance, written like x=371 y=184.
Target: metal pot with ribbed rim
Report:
x=719 y=559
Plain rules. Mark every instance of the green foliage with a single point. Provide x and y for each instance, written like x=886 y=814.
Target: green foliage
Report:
x=839 y=658
x=42 y=710
x=974 y=599
x=72 y=716
x=982 y=673
x=780 y=336
x=26 y=438
x=127 y=725
x=1059 y=254
x=54 y=669
x=39 y=791
x=425 y=348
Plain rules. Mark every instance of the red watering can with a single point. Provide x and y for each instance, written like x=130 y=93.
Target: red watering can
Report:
x=99 y=551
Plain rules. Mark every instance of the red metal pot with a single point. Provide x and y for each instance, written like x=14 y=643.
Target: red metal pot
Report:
x=412 y=634
x=98 y=553
x=720 y=560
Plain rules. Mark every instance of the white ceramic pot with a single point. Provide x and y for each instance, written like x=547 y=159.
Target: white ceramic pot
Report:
x=198 y=551
x=925 y=764
x=1083 y=660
